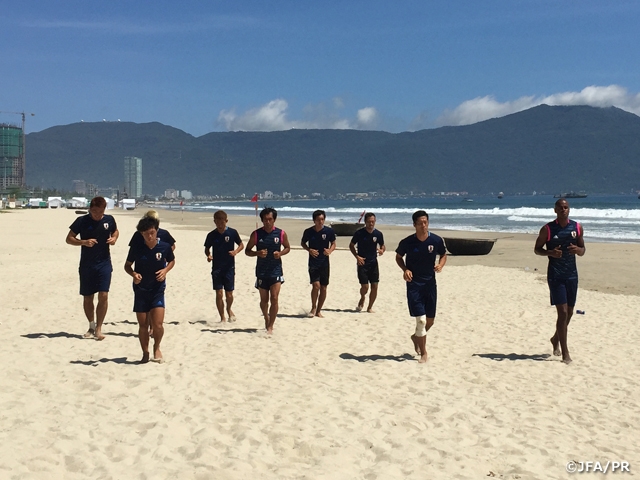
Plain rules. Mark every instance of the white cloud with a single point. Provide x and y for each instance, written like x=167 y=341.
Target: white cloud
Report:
x=274 y=116
x=483 y=108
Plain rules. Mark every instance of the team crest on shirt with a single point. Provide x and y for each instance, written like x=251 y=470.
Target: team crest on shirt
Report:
x=430 y=248
x=324 y=236
x=574 y=234
x=276 y=240
x=226 y=239
x=375 y=239
x=106 y=225
x=158 y=256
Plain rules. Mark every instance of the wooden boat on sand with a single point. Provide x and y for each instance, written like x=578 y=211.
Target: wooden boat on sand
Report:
x=469 y=246
x=346 y=229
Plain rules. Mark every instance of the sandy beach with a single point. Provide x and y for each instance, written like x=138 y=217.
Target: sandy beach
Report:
x=332 y=398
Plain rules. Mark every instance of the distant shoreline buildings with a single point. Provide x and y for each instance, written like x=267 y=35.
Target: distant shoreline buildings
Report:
x=132 y=177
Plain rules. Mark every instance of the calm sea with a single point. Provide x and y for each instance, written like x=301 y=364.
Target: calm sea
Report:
x=604 y=218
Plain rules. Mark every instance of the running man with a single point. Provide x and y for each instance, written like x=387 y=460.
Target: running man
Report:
x=319 y=241
x=220 y=249
x=97 y=233
x=271 y=244
x=419 y=271
x=561 y=240
x=370 y=244
x=137 y=241
x=152 y=263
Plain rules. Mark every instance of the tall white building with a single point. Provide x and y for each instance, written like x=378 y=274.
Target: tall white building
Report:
x=133 y=177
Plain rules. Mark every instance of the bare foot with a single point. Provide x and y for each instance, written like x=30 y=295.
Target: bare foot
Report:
x=423 y=358
x=89 y=334
x=566 y=360
x=359 y=307
x=319 y=315
x=556 y=346
x=369 y=310
x=232 y=317
x=312 y=313
x=157 y=355
x=270 y=331
x=98 y=335
x=414 y=339
x=223 y=320
x=145 y=357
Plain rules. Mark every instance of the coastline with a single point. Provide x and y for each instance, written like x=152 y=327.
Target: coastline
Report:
x=605 y=267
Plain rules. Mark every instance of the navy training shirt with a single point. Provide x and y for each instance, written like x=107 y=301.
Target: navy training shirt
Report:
x=147 y=261
x=367 y=244
x=421 y=255
x=318 y=241
x=221 y=244
x=100 y=230
x=268 y=267
x=563 y=268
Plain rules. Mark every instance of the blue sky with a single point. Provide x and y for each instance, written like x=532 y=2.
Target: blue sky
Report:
x=274 y=65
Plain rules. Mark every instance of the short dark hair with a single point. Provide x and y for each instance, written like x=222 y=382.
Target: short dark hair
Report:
x=418 y=214
x=146 y=223
x=98 y=202
x=369 y=215
x=560 y=200
x=317 y=213
x=268 y=210
x=221 y=214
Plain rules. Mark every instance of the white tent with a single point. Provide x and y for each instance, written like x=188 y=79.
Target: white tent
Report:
x=55 y=202
x=77 y=202
x=128 y=204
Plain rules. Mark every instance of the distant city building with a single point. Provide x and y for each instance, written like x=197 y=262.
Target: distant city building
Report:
x=186 y=194
x=170 y=193
x=92 y=190
x=12 y=170
x=268 y=194
x=133 y=177
x=286 y=195
x=80 y=186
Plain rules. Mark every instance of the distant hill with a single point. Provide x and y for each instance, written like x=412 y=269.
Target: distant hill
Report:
x=549 y=149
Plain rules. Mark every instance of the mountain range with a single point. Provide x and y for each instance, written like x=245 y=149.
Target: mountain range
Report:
x=545 y=148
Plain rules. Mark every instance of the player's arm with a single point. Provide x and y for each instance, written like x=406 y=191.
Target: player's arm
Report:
x=72 y=239
x=249 y=251
x=285 y=244
x=539 y=247
x=332 y=247
x=161 y=274
x=382 y=249
x=128 y=267
x=114 y=237
x=441 y=263
x=207 y=252
x=406 y=273
x=240 y=247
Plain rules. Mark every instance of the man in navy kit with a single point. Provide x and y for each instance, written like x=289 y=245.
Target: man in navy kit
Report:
x=419 y=271
x=97 y=232
x=137 y=241
x=370 y=244
x=319 y=241
x=223 y=240
x=152 y=263
x=561 y=240
x=271 y=244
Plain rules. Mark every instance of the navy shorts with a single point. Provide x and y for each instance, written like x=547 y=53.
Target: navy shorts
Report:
x=319 y=274
x=94 y=279
x=146 y=300
x=223 y=279
x=563 y=291
x=422 y=299
x=368 y=273
x=265 y=283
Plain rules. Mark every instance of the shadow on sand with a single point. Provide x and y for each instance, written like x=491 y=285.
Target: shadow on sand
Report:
x=230 y=330
x=366 y=358
x=54 y=335
x=537 y=357
x=93 y=363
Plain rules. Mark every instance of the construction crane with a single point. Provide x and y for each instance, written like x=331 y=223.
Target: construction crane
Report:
x=24 y=143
